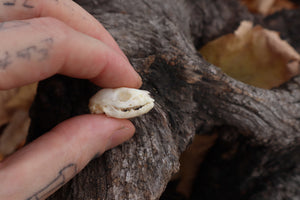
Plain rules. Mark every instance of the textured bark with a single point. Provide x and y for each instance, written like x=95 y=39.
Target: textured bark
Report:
x=192 y=96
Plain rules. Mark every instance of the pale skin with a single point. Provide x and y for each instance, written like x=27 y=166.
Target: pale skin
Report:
x=40 y=38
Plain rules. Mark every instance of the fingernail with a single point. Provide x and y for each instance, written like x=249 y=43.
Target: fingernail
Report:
x=119 y=136
x=137 y=77
x=140 y=81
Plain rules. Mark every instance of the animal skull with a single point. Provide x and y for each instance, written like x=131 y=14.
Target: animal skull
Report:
x=121 y=102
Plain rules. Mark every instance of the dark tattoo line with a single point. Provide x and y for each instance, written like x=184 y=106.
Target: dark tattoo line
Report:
x=29 y=51
x=25 y=53
x=37 y=52
x=5 y=61
x=13 y=3
x=10 y=3
x=36 y=49
x=27 y=5
x=43 y=53
x=48 y=41
x=57 y=182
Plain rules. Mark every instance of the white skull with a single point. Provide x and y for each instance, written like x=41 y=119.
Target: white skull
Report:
x=121 y=102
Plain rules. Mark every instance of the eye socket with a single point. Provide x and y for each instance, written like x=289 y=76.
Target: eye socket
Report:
x=124 y=96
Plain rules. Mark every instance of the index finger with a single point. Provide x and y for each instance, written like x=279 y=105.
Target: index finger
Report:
x=56 y=48
x=66 y=11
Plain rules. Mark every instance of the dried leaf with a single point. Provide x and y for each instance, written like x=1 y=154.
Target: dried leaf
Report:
x=255 y=56
x=190 y=161
x=15 y=133
x=23 y=98
x=4 y=97
x=267 y=7
x=14 y=107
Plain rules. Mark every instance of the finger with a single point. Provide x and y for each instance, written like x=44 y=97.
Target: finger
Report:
x=47 y=163
x=56 y=48
x=64 y=10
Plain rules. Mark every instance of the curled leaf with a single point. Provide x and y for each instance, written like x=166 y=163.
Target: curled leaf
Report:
x=254 y=55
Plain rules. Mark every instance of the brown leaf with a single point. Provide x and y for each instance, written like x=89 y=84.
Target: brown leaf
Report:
x=22 y=98
x=4 y=97
x=267 y=7
x=190 y=161
x=15 y=133
x=255 y=56
x=14 y=107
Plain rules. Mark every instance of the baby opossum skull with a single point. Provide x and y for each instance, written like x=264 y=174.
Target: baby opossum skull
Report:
x=121 y=102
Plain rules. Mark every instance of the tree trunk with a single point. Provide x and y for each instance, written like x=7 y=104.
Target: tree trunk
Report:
x=161 y=39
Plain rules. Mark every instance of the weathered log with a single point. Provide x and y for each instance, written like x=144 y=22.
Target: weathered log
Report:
x=192 y=96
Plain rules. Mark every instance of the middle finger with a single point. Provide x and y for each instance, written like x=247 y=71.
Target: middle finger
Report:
x=66 y=11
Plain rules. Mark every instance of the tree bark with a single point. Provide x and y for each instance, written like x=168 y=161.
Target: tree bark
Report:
x=161 y=39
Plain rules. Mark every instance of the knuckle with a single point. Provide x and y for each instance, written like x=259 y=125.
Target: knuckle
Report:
x=52 y=27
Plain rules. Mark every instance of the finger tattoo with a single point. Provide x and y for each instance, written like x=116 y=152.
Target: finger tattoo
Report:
x=5 y=60
x=63 y=176
x=40 y=51
x=24 y=3
x=36 y=52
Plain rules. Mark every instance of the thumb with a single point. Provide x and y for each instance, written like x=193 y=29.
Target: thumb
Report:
x=41 y=167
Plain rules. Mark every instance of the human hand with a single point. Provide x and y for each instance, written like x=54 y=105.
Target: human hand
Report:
x=37 y=40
